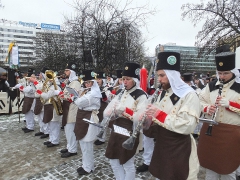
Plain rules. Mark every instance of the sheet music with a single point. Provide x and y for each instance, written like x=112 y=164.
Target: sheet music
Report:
x=121 y=130
x=93 y=123
x=72 y=91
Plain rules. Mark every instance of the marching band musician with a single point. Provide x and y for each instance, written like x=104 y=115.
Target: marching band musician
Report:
x=109 y=81
x=111 y=91
x=108 y=93
x=199 y=83
x=29 y=102
x=148 y=143
x=175 y=114
x=88 y=104
x=219 y=153
x=38 y=110
x=187 y=78
x=126 y=103
x=70 y=111
x=101 y=83
x=51 y=115
x=118 y=82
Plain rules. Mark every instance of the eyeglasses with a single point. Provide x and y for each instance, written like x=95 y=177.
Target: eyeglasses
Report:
x=87 y=82
x=223 y=73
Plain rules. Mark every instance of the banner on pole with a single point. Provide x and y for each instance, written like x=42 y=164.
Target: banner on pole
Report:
x=13 y=56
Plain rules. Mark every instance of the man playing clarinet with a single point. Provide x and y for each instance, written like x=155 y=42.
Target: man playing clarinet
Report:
x=218 y=151
x=175 y=115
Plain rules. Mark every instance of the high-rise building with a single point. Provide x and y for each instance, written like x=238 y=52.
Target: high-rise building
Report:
x=24 y=35
x=191 y=61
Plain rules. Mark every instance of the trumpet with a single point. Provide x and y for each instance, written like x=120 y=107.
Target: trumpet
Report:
x=31 y=77
x=213 y=121
x=129 y=143
x=57 y=104
x=107 y=120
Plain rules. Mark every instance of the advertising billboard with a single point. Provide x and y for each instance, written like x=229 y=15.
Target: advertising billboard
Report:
x=50 y=26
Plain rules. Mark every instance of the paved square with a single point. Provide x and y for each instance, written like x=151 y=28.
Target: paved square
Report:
x=24 y=157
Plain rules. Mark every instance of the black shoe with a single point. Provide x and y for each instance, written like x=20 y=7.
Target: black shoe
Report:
x=62 y=127
x=195 y=135
x=83 y=172
x=24 y=128
x=64 y=151
x=68 y=154
x=39 y=134
x=28 y=130
x=24 y=120
x=46 y=142
x=141 y=150
x=52 y=145
x=44 y=136
x=142 y=168
x=79 y=169
x=97 y=142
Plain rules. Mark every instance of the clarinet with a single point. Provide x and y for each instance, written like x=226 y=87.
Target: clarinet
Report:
x=209 y=130
x=129 y=143
x=107 y=120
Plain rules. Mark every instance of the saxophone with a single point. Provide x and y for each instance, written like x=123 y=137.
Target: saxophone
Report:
x=57 y=104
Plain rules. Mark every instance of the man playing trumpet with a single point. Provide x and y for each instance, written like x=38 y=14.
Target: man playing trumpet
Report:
x=38 y=110
x=52 y=115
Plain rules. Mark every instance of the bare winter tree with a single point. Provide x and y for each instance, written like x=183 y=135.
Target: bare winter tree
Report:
x=52 y=50
x=222 y=22
x=111 y=31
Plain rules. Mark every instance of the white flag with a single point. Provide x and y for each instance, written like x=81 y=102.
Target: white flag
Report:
x=15 y=60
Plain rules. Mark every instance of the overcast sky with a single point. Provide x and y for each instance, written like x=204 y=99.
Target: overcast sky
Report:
x=164 y=27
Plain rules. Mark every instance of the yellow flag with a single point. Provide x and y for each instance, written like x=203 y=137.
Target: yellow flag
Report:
x=9 y=50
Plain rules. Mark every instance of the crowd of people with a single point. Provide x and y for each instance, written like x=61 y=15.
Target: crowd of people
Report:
x=171 y=134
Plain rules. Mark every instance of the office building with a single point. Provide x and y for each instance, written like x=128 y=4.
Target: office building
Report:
x=190 y=59
x=24 y=34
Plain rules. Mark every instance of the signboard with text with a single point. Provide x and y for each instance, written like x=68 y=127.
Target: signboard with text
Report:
x=50 y=26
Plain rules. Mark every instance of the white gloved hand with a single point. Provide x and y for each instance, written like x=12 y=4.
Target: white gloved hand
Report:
x=224 y=103
x=17 y=86
x=56 y=92
x=118 y=109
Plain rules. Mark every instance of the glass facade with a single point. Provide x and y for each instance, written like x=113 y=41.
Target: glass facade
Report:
x=191 y=61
